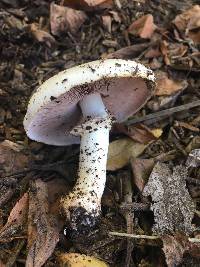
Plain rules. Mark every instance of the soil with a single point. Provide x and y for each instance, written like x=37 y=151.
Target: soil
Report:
x=26 y=63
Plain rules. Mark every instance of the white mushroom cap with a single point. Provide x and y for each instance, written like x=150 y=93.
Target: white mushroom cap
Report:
x=53 y=112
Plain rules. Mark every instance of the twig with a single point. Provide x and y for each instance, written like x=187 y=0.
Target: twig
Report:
x=149 y=237
x=129 y=215
x=134 y=206
x=165 y=112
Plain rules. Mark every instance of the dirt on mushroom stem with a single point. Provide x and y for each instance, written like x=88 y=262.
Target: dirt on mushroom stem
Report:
x=83 y=205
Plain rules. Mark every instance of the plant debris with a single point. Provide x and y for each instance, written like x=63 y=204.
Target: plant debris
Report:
x=63 y=19
x=88 y=4
x=120 y=152
x=40 y=39
x=188 y=23
x=43 y=231
x=143 y=27
x=79 y=260
x=42 y=36
x=172 y=205
x=16 y=220
x=166 y=86
x=174 y=247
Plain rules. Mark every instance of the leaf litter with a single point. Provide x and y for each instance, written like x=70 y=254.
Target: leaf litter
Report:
x=173 y=209
x=36 y=43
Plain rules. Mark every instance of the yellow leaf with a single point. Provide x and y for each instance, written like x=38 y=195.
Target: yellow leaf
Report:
x=157 y=132
x=120 y=152
x=79 y=260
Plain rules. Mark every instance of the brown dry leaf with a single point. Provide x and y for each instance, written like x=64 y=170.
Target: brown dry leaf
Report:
x=172 y=205
x=11 y=157
x=88 y=4
x=142 y=134
x=172 y=52
x=141 y=169
x=189 y=23
x=63 y=19
x=79 y=260
x=143 y=27
x=128 y=52
x=164 y=51
x=16 y=220
x=181 y=21
x=139 y=133
x=153 y=52
x=120 y=152
x=174 y=247
x=167 y=86
x=107 y=22
x=43 y=231
x=56 y=188
x=187 y=126
x=42 y=36
x=12 y=160
x=193 y=30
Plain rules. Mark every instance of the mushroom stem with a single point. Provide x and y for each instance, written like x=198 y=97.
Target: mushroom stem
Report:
x=93 y=106
x=83 y=204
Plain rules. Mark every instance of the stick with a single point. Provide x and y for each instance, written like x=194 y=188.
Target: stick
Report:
x=165 y=112
x=149 y=237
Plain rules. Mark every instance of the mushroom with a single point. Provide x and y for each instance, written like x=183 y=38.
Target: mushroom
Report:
x=82 y=102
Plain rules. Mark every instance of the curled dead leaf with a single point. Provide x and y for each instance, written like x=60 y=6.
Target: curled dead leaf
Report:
x=120 y=152
x=63 y=19
x=188 y=23
x=174 y=247
x=172 y=52
x=141 y=169
x=43 y=231
x=88 y=4
x=139 y=133
x=128 y=52
x=143 y=27
x=11 y=157
x=42 y=36
x=79 y=260
x=181 y=21
x=167 y=86
x=16 y=220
